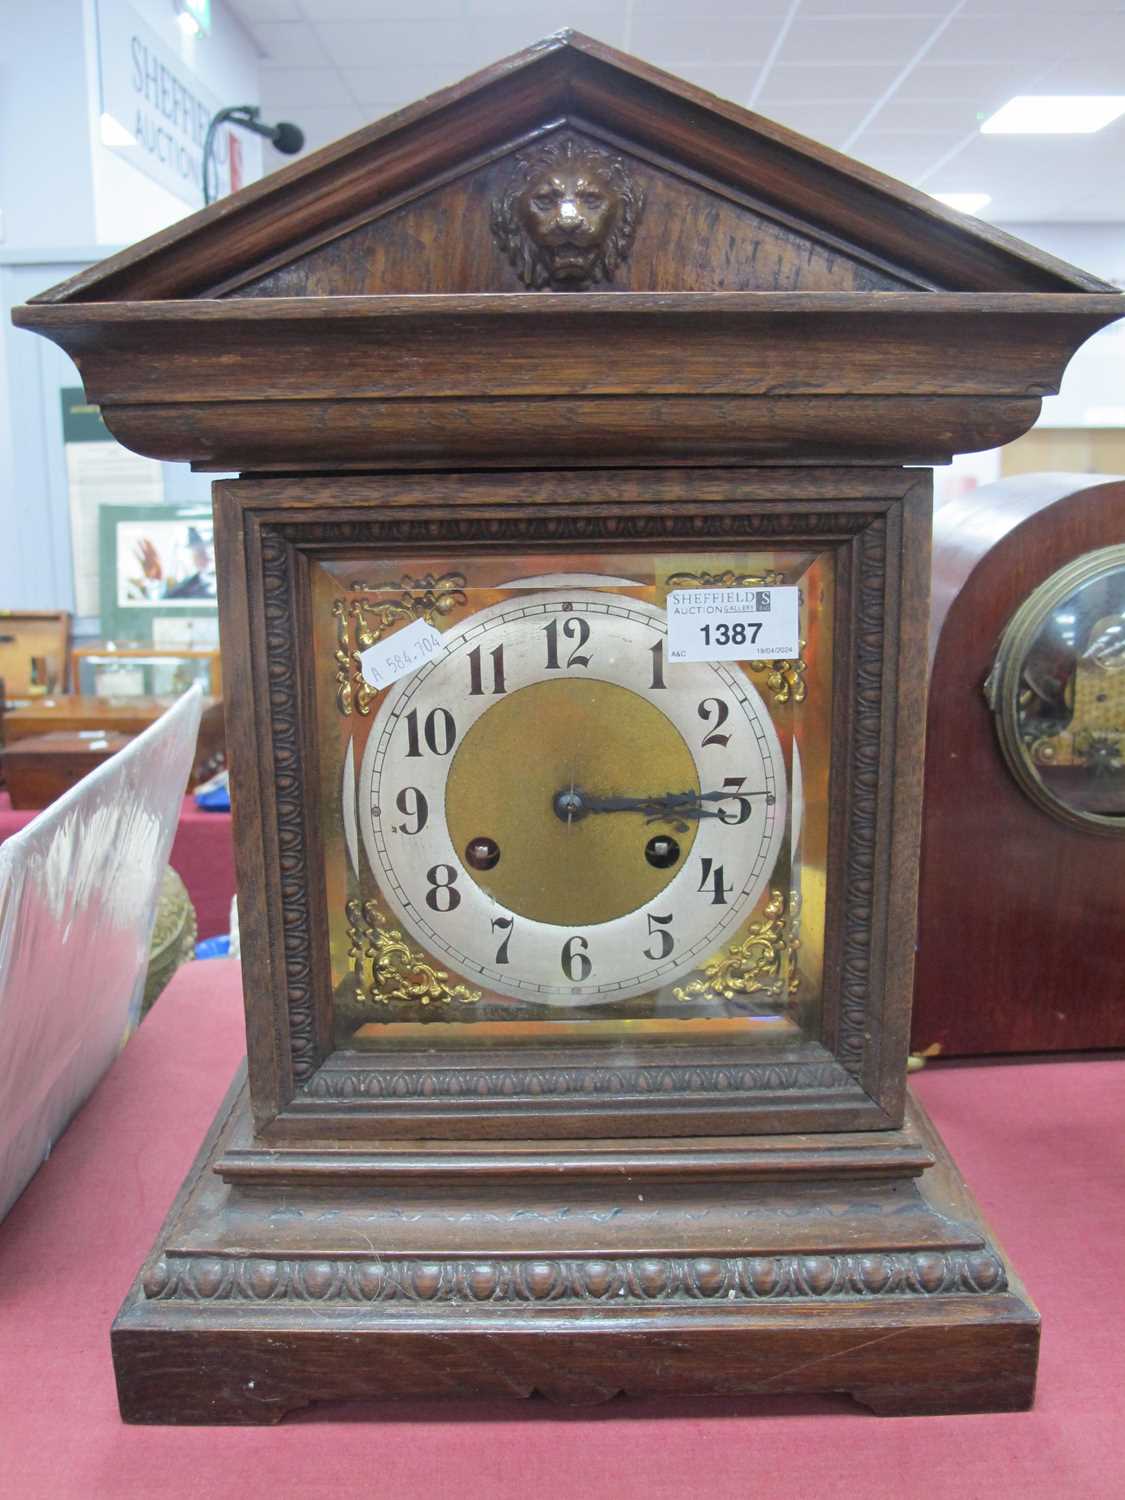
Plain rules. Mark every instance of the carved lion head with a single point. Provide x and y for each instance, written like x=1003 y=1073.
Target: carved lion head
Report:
x=567 y=216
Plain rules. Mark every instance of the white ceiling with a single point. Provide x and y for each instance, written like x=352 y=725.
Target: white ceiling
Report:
x=901 y=84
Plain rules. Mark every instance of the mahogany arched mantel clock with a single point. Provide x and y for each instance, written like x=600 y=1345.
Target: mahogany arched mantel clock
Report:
x=574 y=606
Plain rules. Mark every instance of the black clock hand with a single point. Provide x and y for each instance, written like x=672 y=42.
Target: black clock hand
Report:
x=670 y=807
x=681 y=804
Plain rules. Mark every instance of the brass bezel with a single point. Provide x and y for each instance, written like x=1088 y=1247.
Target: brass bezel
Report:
x=1002 y=685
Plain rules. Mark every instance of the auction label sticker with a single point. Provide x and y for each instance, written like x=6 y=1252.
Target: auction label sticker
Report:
x=405 y=651
x=733 y=624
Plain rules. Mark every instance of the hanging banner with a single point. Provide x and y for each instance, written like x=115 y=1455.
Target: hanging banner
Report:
x=154 y=107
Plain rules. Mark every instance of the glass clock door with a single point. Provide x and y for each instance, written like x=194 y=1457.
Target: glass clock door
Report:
x=542 y=822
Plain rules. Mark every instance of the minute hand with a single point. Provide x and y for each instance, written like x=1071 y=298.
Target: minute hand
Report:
x=670 y=806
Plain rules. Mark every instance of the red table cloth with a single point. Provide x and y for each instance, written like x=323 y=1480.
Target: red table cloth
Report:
x=202 y=856
x=1040 y=1143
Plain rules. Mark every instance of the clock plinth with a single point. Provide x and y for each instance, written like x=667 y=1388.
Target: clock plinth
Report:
x=723 y=1266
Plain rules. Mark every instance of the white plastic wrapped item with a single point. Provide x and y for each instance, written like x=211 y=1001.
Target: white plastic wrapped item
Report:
x=78 y=893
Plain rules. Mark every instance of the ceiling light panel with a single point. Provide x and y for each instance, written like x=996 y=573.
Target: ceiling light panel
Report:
x=1055 y=114
x=287 y=89
x=933 y=10
x=674 y=39
x=855 y=39
x=965 y=203
x=734 y=81
x=289 y=43
x=267 y=10
x=817 y=82
x=1015 y=37
x=404 y=83
x=830 y=120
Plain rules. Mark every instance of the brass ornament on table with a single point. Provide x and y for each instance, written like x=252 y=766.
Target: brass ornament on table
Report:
x=399 y=971
x=752 y=966
x=567 y=216
x=426 y=598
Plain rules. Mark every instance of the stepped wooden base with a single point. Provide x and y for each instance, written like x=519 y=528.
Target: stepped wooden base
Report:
x=794 y=1265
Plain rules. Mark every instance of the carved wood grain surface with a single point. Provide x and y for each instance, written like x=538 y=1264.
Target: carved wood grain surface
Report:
x=570 y=378
x=689 y=238
x=281 y=436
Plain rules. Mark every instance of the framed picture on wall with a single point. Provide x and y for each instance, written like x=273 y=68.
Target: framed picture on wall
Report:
x=158 y=573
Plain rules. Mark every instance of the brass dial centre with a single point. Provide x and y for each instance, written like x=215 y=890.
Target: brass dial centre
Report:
x=541 y=742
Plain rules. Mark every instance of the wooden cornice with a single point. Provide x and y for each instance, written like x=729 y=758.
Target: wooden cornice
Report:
x=279 y=384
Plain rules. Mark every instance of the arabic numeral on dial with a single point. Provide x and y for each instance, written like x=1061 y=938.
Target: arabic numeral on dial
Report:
x=657 y=666
x=575 y=629
x=442 y=894
x=411 y=802
x=712 y=880
x=665 y=942
x=506 y=925
x=714 y=708
x=745 y=807
x=438 y=731
x=476 y=687
x=575 y=965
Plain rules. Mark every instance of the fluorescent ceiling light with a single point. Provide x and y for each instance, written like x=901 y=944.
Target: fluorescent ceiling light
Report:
x=114 y=133
x=1055 y=114
x=200 y=10
x=964 y=203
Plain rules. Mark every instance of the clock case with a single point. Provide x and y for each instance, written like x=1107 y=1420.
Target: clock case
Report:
x=851 y=1078
x=991 y=975
x=785 y=332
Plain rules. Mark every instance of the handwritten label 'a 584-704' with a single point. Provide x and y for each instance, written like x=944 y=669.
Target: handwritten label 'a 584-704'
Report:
x=404 y=652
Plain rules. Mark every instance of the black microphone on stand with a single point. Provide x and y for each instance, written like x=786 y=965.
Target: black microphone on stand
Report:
x=286 y=137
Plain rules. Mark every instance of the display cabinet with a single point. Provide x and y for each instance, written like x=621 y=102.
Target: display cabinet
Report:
x=573 y=604
x=116 y=670
x=33 y=652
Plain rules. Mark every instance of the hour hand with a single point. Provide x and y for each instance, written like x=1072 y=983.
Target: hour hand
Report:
x=658 y=809
x=666 y=807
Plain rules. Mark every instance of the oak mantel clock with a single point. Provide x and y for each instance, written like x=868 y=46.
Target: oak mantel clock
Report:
x=573 y=603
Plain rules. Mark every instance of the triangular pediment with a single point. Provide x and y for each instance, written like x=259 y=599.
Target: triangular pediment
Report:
x=720 y=200
x=686 y=237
